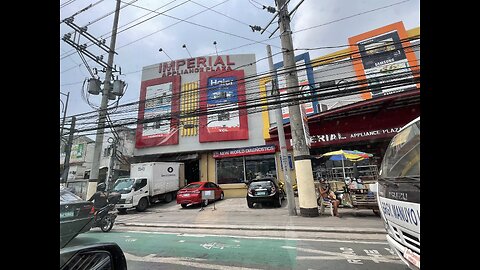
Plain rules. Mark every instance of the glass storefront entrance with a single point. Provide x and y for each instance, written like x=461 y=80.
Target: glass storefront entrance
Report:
x=243 y=169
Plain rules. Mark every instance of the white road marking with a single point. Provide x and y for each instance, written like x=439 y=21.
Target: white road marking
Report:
x=390 y=250
x=354 y=261
x=192 y=262
x=265 y=237
x=387 y=258
x=190 y=235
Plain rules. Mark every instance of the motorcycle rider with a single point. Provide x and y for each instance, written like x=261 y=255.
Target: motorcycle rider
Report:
x=99 y=198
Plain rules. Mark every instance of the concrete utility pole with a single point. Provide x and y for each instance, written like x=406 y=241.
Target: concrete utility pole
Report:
x=303 y=165
x=64 y=113
x=292 y=209
x=68 y=149
x=95 y=170
x=113 y=156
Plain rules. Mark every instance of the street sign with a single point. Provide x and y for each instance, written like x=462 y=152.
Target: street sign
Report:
x=208 y=195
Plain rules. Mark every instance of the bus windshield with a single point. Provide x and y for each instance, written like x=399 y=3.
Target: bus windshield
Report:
x=402 y=157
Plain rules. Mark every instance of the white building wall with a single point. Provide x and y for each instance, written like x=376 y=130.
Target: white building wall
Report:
x=192 y=143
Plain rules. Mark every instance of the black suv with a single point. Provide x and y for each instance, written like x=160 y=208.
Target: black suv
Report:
x=264 y=190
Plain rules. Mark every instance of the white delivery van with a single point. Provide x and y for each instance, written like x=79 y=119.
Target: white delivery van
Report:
x=148 y=183
x=399 y=193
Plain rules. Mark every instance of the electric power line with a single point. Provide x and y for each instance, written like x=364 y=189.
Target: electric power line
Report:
x=260 y=75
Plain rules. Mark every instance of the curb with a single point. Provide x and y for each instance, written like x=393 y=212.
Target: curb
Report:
x=257 y=228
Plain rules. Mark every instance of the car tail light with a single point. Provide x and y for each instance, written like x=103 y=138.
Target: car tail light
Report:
x=92 y=210
x=250 y=191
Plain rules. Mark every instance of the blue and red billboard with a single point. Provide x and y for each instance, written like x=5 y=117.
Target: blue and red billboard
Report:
x=222 y=96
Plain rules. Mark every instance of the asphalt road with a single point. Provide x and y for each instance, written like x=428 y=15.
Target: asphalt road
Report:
x=171 y=250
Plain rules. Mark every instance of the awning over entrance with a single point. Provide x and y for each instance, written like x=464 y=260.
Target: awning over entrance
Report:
x=166 y=158
x=370 y=121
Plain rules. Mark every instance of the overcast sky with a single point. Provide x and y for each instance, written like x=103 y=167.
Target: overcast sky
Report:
x=337 y=20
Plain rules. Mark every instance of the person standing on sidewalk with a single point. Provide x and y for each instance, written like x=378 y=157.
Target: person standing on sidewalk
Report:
x=328 y=195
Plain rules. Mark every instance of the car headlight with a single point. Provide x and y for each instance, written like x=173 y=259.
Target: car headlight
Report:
x=129 y=200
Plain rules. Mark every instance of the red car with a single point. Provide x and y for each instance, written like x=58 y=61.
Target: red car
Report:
x=192 y=193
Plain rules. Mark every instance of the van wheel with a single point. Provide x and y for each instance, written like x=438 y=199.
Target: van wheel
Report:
x=168 y=197
x=142 y=205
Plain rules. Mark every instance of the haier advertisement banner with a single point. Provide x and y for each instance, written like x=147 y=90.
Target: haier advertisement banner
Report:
x=383 y=57
x=159 y=103
x=222 y=94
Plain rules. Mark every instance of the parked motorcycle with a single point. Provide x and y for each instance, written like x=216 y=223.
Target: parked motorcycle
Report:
x=105 y=216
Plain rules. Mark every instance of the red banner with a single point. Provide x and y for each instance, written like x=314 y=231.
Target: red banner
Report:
x=159 y=98
x=222 y=94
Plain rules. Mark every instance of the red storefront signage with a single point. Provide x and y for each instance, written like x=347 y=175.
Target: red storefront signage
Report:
x=222 y=96
x=158 y=100
x=248 y=151
x=344 y=137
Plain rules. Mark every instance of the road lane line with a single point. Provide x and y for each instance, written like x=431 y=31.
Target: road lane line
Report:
x=186 y=261
x=267 y=237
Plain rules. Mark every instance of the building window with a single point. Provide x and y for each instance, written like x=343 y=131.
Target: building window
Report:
x=106 y=152
x=230 y=170
x=260 y=166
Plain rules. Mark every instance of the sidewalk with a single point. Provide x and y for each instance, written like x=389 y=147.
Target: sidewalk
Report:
x=234 y=214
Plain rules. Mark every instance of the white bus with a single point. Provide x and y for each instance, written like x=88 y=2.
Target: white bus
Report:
x=399 y=193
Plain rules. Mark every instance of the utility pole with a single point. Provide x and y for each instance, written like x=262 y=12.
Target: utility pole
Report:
x=68 y=150
x=113 y=156
x=303 y=165
x=292 y=209
x=64 y=113
x=94 y=172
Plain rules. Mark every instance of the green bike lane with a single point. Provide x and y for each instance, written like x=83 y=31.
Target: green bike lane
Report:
x=203 y=250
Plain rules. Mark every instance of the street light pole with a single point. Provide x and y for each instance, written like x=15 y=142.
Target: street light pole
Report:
x=94 y=171
x=292 y=209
